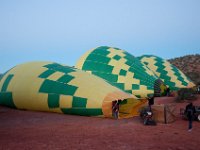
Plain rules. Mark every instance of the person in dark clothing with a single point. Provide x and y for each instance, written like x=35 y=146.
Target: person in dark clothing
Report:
x=115 y=109
x=150 y=101
x=190 y=111
x=198 y=89
x=168 y=91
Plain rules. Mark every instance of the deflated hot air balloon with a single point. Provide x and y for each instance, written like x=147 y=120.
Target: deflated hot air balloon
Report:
x=120 y=69
x=48 y=86
x=169 y=74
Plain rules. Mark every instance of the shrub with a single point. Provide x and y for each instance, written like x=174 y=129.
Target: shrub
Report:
x=186 y=94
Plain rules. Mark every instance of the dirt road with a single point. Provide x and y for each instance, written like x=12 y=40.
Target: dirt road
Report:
x=40 y=130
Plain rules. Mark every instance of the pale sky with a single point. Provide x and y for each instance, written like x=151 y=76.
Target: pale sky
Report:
x=63 y=30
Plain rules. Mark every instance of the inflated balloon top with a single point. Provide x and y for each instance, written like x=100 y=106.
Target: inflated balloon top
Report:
x=119 y=68
x=167 y=72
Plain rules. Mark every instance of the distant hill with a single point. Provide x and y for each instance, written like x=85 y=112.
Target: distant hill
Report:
x=189 y=65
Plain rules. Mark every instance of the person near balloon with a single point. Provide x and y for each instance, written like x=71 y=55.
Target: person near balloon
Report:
x=150 y=101
x=115 y=109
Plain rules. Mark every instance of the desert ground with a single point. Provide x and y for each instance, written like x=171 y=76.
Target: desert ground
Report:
x=21 y=129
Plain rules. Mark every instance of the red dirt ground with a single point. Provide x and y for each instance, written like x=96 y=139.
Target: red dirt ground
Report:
x=40 y=130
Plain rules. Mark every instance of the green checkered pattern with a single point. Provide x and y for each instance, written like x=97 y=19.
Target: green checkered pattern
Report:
x=61 y=86
x=6 y=97
x=170 y=75
x=120 y=69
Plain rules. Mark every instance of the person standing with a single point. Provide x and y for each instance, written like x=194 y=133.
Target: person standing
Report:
x=150 y=101
x=190 y=111
x=198 y=89
x=168 y=91
x=115 y=109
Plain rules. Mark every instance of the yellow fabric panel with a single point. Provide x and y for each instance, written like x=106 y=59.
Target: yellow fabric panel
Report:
x=142 y=91
x=120 y=94
x=136 y=81
x=90 y=72
x=36 y=101
x=151 y=64
x=121 y=79
x=55 y=76
x=145 y=59
x=12 y=71
x=171 y=74
x=65 y=101
x=56 y=110
x=131 y=108
x=136 y=108
x=157 y=73
x=128 y=86
x=115 y=70
x=107 y=107
x=118 y=65
x=151 y=60
x=23 y=67
x=97 y=88
x=131 y=80
x=174 y=78
x=143 y=88
x=95 y=103
x=122 y=64
x=115 y=52
x=184 y=77
x=148 y=71
x=81 y=61
x=130 y=76
x=190 y=84
x=27 y=96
